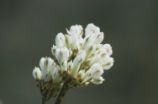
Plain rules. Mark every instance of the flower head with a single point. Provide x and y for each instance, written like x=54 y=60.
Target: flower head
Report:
x=78 y=58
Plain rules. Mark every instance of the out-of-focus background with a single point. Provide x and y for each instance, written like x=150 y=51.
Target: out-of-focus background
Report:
x=28 y=29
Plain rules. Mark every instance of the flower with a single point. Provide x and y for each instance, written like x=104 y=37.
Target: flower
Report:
x=77 y=59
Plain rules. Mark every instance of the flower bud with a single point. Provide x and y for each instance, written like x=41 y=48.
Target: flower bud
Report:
x=37 y=73
x=75 y=36
x=93 y=35
x=91 y=29
x=68 y=41
x=56 y=75
x=62 y=54
x=99 y=38
x=76 y=30
x=74 y=42
x=95 y=71
x=107 y=62
x=64 y=66
x=53 y=50
x=108 y=49
x=60 y=40
x=98 y=80
x=46 y=65
x=77 y=62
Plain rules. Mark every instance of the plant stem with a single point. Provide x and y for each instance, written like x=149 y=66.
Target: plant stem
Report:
x=62 y=93
x=43 y=101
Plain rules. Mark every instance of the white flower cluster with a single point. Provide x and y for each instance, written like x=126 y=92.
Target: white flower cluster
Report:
x=82 y=58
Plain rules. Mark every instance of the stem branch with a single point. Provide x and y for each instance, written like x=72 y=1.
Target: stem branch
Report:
x=62 y=93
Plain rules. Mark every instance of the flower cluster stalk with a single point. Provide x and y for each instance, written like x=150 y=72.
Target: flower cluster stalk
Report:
x=62 y=93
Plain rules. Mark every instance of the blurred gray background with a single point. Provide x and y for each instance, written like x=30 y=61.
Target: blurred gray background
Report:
x=28 y=29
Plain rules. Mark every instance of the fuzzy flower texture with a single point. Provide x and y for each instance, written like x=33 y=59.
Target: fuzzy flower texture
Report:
x=78 y=57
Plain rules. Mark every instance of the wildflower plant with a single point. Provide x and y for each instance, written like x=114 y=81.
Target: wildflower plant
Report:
x=79 y=58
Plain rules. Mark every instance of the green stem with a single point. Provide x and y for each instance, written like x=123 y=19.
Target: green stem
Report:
x=62 y=93
x=43 y=101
